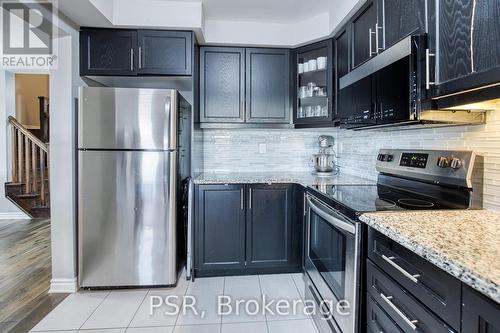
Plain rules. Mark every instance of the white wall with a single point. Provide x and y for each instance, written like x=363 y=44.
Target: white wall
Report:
x=28 y=88
x=64 y=82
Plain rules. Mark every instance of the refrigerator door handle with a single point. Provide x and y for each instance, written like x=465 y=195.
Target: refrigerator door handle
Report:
x=171 y=106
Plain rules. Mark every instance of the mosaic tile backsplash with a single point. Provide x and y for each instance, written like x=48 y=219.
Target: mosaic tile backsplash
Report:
x=243 y=149
x=290 y=150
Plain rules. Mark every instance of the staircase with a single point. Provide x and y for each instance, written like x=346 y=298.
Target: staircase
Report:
x=29 y=186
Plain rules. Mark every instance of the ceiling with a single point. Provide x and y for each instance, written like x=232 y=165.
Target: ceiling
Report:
x=275 y=11
x=280 y=23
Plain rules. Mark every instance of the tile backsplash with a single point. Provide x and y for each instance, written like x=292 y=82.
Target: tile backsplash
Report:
x=357 y=151
x=243 y=149
x=290 y=150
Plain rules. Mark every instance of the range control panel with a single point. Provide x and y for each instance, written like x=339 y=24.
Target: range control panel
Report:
x=414 y=160
x=451 y=167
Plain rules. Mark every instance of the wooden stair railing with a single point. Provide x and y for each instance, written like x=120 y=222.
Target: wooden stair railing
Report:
x=30 y=164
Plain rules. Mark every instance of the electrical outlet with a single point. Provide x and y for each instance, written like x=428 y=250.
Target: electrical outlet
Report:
x=262 y=148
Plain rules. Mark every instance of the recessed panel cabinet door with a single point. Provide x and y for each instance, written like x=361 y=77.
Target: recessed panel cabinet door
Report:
x=220 y=227
x=269 y=226
x=479 y=314
x=455 y=17
x=108 y=52
x=222 y=85
x=165 y=52
x=401 y=18
x=465 y=42
x=267 y=86
x=342 y=51
x=363 y=34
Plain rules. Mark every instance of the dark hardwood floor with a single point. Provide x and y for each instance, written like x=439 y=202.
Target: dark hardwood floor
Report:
x=25 y=273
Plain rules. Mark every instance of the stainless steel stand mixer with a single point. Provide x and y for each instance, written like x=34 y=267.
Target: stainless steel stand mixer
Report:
x=324 y=161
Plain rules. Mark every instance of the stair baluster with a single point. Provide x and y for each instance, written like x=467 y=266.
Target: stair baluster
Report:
x=30 y=167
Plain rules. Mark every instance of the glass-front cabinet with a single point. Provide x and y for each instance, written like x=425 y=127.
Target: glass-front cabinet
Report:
x=314 y=102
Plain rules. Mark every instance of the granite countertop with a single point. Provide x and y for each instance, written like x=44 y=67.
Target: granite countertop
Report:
x=464 y=243
x=303 y=178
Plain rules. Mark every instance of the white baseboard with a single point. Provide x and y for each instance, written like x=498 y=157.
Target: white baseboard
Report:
x=14 y=216
x=63 y=286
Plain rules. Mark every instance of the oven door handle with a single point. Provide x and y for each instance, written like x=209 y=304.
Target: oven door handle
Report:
x=326 y=214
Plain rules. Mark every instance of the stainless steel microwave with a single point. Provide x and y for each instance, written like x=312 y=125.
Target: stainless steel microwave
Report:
x=391 y=90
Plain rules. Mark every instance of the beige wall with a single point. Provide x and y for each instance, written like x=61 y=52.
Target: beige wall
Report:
x=28 y=88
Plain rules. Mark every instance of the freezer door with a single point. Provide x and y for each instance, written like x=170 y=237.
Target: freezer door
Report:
x=123 y=118
x=127 y=218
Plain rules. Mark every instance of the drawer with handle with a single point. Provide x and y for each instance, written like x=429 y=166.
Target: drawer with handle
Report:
x=432 y=286
x=377 y=320
x=406 y=311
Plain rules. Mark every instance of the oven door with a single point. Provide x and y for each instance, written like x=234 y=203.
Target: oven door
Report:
x=333 y=261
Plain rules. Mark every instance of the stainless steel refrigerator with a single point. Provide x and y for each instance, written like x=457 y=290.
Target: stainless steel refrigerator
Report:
x=128 y=180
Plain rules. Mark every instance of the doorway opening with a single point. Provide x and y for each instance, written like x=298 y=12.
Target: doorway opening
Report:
x=28 y=188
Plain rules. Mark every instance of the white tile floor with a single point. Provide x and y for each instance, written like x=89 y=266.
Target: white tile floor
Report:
x=129 y=311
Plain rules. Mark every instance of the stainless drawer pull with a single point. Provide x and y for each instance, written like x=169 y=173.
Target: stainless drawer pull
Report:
x=242 y=202
x=411 y=323
x=389 y=260
x=131 y=60
x=250 y=199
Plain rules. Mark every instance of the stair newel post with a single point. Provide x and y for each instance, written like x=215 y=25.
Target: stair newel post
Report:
x=42 y=176
x=20 y=156
x=27 y=184
x=33 y=168
x=15 y=176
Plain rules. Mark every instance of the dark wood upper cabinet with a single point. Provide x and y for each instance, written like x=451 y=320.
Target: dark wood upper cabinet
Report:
x=342 y=53
x=454 y=40
x=364 y=28
x=479 y=314
x=465 y=44
x=240 y=85
x=269 y=226
x=120 y=52
x=108 y=52
x=165 y=52
x=267 y=86
x=485 y=35
x=220 y=227
x=222 y=85
x=400 y=18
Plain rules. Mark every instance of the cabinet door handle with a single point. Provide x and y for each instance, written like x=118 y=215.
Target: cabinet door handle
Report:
x=131 y=60
x=376 y=38
x=390 y=261
x=428 y=82
x=242 y=200
x=140 y=57
x=370 y=44
x=305 y=204
x=411 y=323
x=250 y=199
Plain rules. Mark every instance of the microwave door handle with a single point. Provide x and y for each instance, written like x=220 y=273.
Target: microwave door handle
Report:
x=338 y=223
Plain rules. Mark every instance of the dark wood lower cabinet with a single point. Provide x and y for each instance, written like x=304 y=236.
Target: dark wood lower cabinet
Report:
x=269 y=227
x=246 y=229
x=220 y=228
x=394 y=305
x=479 y=314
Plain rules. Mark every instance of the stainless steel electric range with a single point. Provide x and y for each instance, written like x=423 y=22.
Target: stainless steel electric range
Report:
x=408 y=180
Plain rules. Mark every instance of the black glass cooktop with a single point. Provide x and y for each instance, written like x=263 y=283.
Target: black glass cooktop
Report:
x=391 y=194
